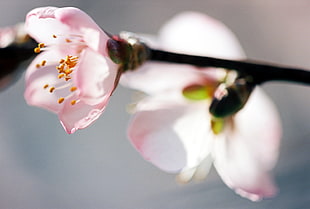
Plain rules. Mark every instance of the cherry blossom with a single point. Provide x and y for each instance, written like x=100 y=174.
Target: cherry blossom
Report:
x=173 y=128
x=72 y=76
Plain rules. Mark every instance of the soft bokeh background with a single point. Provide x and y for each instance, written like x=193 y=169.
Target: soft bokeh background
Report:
x=43 y=167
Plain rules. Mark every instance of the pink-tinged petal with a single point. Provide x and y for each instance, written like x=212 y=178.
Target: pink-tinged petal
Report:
x=80 y=115
x=250 y=149
x=95 y=77
x=36 y=78
x=197 y=33
x=155 y=78
x=41 y=25
x=81 y=23
x=172 y=135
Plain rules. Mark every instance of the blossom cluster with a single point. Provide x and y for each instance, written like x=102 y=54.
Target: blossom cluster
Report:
x=74 y=76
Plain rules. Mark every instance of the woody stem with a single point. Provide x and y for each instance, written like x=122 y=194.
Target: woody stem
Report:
x=260 y=72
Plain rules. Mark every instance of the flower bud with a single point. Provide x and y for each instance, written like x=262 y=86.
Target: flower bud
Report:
x=118 y=50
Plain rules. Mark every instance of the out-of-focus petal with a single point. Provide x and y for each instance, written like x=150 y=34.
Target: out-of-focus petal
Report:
x=95 y=77
x=192 y=33
x=79 y=116
x=155 y=78
x=197 y=33
x=172 y=135
x=36 y=78
x=197 y=173
x=203 y=168
x=245 y=156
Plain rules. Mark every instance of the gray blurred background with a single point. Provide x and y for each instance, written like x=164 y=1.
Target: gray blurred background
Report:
x=43 y=167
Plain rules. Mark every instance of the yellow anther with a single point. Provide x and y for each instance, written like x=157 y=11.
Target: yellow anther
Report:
x=73 y=88
x=37 y=50
x=68 y=71
x=61 y=100
x=61 y=68
x=54 y=36
x=45 y=86
x=68 y=40
x=41 y=45
x=43 y=62
x=61 y=76
x=52 y=89
x=73 y=102
x=38 y=65
x=61 y=61
x=67 y=78
x=68 y=58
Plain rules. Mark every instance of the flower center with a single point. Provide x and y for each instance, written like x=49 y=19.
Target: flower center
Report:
x=65 y=68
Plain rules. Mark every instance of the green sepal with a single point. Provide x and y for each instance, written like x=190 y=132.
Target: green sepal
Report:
x=119 y=51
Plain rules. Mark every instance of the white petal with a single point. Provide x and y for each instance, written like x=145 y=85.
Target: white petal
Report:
x=197 y=33
x=246 y=155
x=172 y=135
x=197 y=173
x=155 y=78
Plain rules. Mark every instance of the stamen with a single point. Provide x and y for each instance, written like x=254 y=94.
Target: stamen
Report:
x=43 y=62
x=61 y=76
x=60 y=100
x=60 y=85
x=41 y=45
x=37 y=50
x=65 y=69
x=52 y=89
x=60 y=68
x=73 y=88
x=68 y=71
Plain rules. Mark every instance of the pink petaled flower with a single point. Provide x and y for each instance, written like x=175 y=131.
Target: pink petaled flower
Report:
x=173 y=129
x=73 y=75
